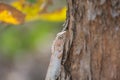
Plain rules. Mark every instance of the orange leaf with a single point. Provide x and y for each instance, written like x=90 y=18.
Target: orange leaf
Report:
x=11 y=15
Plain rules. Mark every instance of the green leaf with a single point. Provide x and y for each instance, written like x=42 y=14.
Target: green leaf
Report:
x=32 y=1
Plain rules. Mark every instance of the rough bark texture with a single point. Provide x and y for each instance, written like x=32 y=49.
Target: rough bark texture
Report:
x=93 y=28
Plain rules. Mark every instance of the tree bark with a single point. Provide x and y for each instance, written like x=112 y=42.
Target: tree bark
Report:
x=91 y=50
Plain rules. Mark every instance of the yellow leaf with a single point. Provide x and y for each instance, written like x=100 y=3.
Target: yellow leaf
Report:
x=35 y=11
x=57 y=15
x=6 y=16
x=11 y=15
x=31 y=11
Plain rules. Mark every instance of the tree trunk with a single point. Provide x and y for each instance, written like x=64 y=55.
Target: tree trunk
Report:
x=91 y=48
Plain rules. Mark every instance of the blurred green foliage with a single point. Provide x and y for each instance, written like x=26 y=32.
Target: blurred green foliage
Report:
x=17 y=39
x=32 y=1
x=25 y=49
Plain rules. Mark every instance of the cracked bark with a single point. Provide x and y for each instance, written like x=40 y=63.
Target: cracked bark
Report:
x=92 y=51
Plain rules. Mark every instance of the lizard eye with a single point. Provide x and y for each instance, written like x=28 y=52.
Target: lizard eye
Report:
x=60 y=37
